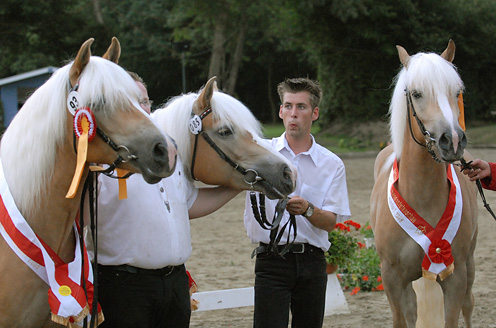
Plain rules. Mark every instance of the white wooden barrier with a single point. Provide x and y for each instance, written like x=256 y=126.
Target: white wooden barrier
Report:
x=241 y=297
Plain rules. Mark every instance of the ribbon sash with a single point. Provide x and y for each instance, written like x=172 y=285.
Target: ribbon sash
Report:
x=436 y=242
x=66 y=297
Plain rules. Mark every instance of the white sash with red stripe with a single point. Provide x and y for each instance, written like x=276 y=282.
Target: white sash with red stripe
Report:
x=436 y=242
x=67 y=299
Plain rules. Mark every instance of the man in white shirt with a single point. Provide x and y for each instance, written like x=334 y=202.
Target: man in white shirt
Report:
x=298 y=280
x=144 y=241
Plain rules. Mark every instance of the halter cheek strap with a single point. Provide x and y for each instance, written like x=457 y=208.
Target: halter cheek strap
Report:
x=250 y=175
x=429 y=141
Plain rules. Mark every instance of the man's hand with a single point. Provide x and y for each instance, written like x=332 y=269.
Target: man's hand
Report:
x=297 y=205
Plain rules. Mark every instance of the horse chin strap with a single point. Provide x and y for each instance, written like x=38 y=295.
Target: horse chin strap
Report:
x=429 y=141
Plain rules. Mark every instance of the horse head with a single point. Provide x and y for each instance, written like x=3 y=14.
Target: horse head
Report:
x=427 y=90
x=144 y=148
x=224 y=144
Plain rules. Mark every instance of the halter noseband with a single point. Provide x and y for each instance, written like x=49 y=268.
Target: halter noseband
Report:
x=429 y=141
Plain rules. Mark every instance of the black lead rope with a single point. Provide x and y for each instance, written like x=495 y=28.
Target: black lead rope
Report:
x=275 y=233
x=89 y=187
x=464 y=166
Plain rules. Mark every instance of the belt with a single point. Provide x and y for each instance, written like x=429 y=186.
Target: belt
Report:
x=294 y=248
x=165 y=271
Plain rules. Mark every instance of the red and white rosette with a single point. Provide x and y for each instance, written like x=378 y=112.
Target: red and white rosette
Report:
x=85 y=122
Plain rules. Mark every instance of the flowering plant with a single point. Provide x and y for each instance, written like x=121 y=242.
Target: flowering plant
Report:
x=357 y=259
x=343 y=245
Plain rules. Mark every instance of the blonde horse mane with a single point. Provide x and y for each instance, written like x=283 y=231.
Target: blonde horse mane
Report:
x=428 y=73
x=29 y=145
x=173 y=118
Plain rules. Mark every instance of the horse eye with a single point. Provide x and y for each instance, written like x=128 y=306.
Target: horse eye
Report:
x=416 y=94
x=225 y=132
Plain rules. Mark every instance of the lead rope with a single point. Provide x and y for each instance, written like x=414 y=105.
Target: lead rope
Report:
x=275 y=234
x=464 y=165
x=89 y=187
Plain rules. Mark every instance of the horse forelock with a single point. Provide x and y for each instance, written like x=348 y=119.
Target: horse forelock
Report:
x=29 y=145
x=429 y=74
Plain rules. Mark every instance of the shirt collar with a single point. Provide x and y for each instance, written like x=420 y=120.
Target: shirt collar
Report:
x=282 y=143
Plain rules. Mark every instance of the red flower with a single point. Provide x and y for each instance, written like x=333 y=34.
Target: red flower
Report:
x=361 y=245
x=379 y=279
x=355 y=290
x=353 y=224
x=440 y=251
x=365 y=278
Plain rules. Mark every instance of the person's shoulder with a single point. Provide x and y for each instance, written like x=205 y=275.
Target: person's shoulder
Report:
x=326 y=153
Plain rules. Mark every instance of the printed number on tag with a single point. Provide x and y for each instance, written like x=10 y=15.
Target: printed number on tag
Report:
x=73 y=102
x=195 y=124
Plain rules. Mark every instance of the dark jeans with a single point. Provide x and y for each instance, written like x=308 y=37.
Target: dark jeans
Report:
x=131 y=300
x=297 y=282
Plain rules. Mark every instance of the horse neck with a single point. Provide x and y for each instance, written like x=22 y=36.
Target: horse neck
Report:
x=422 y=181
x=55 y=214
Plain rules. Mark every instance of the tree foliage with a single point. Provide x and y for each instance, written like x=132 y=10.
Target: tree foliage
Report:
x=349 y=45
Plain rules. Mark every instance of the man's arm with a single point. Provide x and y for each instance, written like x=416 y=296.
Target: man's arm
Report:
x=210 y=200
x=320 y=218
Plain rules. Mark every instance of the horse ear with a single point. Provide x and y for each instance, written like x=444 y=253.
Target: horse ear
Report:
x=114 y=51
x=449 y=52
x=82 y=59
x=404 y=56
x=203 y=100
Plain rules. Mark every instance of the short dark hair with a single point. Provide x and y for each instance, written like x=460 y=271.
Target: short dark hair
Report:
x=301 y=84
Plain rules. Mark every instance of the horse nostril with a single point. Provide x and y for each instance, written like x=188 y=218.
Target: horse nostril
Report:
x=287 y=175
x=463 y=140
x=160 y=153
x=445 y=141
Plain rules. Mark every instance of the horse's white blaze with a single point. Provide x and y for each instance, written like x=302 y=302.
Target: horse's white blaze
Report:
x=448 y=115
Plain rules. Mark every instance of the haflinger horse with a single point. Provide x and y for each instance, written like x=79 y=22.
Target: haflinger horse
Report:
x=38 y=156
x=219 y=141
x=423 y=210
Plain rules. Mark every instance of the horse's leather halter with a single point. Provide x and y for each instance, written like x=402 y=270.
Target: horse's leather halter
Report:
x=117 y=148
x=429 y=145
x=429 y=141
x=251 y=177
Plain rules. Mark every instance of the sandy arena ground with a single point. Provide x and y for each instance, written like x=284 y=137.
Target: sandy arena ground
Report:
x=221 y=258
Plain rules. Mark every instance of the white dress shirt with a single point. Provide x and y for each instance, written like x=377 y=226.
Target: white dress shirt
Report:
x=150 y=229
x=321 y=180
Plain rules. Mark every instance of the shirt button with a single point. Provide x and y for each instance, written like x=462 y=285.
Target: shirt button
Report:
x=161 y=189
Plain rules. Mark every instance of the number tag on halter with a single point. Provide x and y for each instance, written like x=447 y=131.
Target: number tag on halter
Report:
x=73 y=102
x=195 y=124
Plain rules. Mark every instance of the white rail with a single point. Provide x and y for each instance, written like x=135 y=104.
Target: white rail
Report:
x=241 y=297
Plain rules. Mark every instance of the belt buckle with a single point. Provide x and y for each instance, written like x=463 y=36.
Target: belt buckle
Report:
x=300 y=251
x=170 y=271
